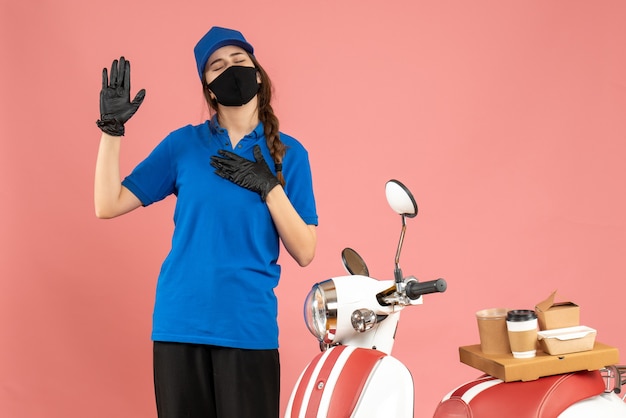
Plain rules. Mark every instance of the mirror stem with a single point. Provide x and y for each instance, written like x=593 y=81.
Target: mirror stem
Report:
x=397 y=272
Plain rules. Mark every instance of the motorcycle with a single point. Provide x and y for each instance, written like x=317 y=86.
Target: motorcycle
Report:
x=354 y=319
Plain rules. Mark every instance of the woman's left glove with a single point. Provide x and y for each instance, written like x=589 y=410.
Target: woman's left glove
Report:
x=253 y=175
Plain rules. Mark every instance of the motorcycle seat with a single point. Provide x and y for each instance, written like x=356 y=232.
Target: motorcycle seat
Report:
x=546 y=397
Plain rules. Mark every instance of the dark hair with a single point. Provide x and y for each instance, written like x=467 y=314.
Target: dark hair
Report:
x=266 y=115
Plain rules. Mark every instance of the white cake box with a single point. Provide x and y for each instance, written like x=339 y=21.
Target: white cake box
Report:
x=567 y=340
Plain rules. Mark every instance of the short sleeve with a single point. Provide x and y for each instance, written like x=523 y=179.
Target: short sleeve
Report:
x=154 y=178
x=299 y=182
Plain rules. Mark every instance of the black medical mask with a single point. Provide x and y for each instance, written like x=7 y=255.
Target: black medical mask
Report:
x=236 y=86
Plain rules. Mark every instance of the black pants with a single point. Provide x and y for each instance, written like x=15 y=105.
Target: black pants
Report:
x=204 y=381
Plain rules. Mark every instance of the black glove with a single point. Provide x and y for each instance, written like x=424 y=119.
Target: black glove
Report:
x=115 y=105
x=253 y=175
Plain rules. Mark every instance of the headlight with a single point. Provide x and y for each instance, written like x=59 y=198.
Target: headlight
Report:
x=320 y=311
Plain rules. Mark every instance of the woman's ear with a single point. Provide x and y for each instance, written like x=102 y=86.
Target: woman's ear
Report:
x=211 y=95
x=258 y=77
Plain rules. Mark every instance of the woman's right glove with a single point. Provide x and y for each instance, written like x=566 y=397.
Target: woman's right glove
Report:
x=115 y=105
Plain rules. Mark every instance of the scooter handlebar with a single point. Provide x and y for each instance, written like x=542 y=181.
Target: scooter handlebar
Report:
x=415 y=289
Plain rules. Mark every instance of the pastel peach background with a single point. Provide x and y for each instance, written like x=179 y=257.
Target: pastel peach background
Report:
x=505 y=118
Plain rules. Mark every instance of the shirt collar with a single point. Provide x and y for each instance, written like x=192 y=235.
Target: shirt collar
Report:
x=215 y=127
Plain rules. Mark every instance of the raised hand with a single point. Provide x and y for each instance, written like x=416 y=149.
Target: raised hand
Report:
x=115 y=105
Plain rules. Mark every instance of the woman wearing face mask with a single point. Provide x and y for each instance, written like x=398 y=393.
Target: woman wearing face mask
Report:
x=241 y=187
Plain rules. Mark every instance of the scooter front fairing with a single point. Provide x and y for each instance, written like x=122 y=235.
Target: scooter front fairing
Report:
x=346 y=381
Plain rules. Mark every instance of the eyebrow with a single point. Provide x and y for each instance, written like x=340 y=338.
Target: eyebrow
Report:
x=222 y=59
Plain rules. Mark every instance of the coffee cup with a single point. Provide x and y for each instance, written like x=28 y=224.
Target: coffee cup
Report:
x=521 y=325
x=492 y=331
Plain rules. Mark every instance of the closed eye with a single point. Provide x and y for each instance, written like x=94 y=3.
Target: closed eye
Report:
x=220 y=63
x=217 y=65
